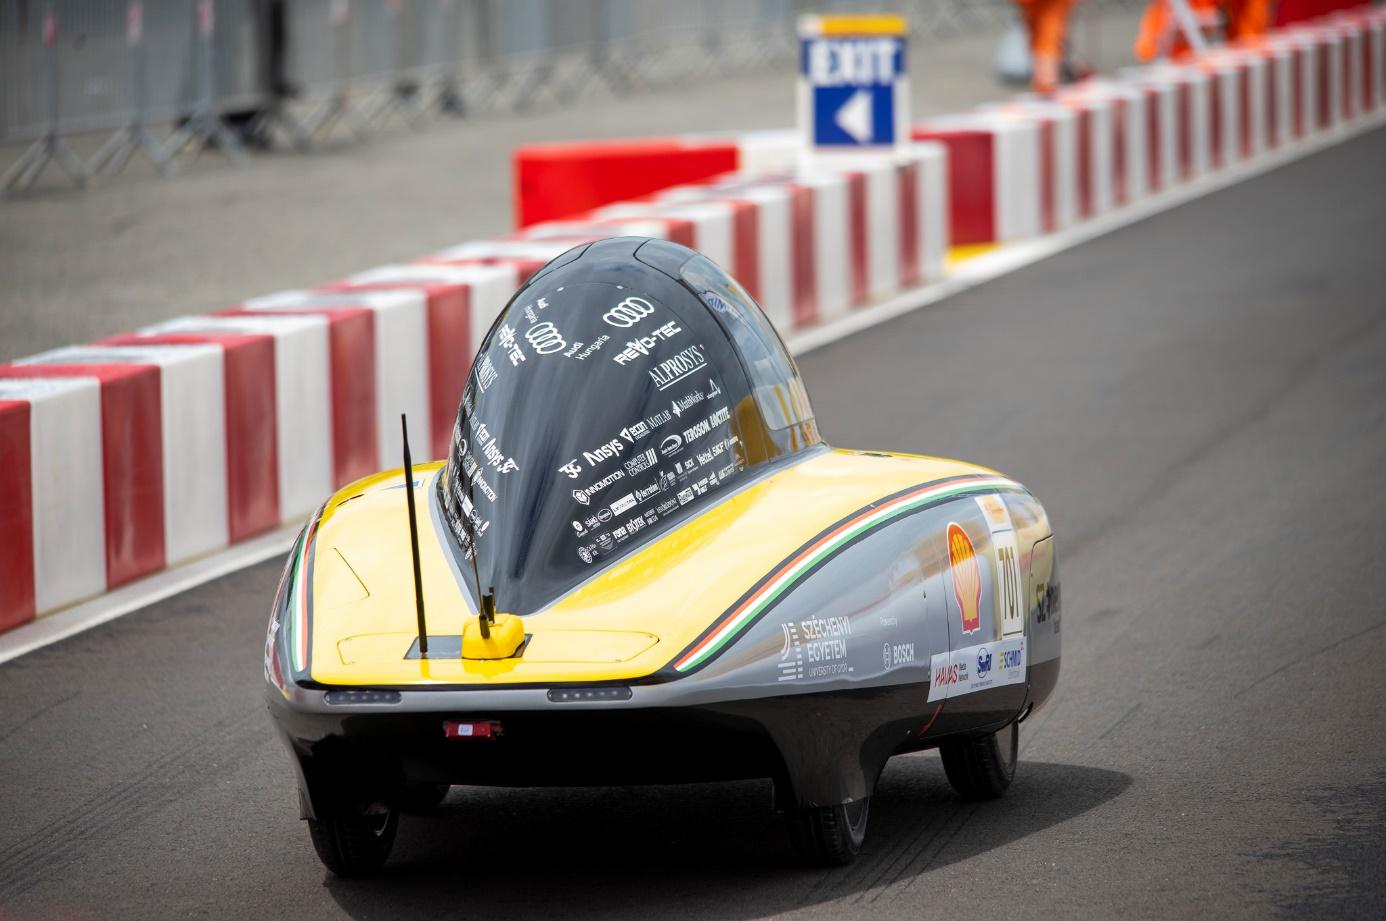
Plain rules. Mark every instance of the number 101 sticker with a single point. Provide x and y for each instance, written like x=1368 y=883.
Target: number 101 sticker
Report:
x=1009 y=588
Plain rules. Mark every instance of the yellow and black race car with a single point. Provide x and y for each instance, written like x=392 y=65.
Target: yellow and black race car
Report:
x=640 y=563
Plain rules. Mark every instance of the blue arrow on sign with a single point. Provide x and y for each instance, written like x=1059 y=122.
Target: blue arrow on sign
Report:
x=851 y=116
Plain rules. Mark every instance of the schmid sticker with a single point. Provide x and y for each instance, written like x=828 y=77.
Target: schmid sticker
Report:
x=967 y=577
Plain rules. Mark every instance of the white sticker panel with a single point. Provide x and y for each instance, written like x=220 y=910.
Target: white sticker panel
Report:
x=977 y=668
x=1009 y=589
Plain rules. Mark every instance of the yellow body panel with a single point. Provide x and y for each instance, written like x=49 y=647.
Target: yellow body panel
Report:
x=628 y=621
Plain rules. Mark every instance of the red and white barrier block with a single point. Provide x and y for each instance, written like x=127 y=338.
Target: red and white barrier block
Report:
x=1130 y=140
x=462 y=302
x=53 y=510
x=811 y=243
x=993 y=175
x=127 y=466
x=560 y=181
x=278 y=405
x=525 y=256
x=1189 y=127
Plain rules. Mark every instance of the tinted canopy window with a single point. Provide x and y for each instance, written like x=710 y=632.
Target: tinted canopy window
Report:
x=606 y=405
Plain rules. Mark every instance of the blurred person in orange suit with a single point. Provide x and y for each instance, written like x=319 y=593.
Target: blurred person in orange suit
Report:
x=1247 y=20
x=1046 y=22
x=1159 y=32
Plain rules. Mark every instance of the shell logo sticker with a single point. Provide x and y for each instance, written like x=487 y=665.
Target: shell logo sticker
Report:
x=995 y=510
x=967 y=577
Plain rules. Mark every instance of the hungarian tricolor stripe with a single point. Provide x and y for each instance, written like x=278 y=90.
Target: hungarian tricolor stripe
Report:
x=300 y=588
x=783 y=579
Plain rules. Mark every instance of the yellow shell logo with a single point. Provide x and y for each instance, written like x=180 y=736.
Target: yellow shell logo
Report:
x=967 y=577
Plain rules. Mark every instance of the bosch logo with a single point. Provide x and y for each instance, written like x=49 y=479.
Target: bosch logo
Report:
x=545 y=338
x=629 y=312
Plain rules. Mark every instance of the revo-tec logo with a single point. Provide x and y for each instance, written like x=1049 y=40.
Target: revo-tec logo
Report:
x=629 y=312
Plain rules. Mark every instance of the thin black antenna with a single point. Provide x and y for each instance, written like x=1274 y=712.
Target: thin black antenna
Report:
x=414 y=537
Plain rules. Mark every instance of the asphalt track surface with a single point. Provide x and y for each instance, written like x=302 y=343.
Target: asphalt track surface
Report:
x=1200 y=401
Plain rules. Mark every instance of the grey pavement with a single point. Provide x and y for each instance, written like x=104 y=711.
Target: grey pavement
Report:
x=1198 y=400
x=78 y=266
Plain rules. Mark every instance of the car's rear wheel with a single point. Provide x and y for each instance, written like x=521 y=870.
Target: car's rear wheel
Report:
x=355 y=844
x=982 y=767
x=829 y=836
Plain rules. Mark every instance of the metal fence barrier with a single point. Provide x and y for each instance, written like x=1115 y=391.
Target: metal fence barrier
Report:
x=223 y=72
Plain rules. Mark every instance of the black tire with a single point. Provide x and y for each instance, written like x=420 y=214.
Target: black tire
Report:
x=982 y=767
x=829 y=836
x=354 y=845
x=422 y=798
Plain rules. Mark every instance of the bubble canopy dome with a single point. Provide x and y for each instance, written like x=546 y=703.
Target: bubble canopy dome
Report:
x=629 y=385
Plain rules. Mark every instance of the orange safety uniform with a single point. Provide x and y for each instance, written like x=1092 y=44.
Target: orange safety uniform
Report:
x=1046 y=22
x=1247 y=19
x=1159 y=33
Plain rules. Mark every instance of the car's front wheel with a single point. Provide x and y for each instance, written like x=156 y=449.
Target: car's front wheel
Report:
x=829 y=836
x=355 y=844
x=982 y=767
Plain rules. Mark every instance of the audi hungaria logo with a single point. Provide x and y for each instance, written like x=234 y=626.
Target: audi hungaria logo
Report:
x=545 y=338
x=629 y=312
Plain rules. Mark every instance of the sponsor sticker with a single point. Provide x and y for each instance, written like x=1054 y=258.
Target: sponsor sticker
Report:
x=1010 y=591
x=815 y=648
x=640 y=462
x=683 y=404
x=977 y=668
x=967 y=577
x=485 y=373
x=490 y=450
x=641 y=346
x=623 y=504
x=699 y=429
x=684 y=363
x=545 y=338
x=602 y=453
x=628 y=313
x=506 y=335
x=894 y=655
x=581 y=353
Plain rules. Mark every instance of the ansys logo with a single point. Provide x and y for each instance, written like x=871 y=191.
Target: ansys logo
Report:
x=967 y=577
